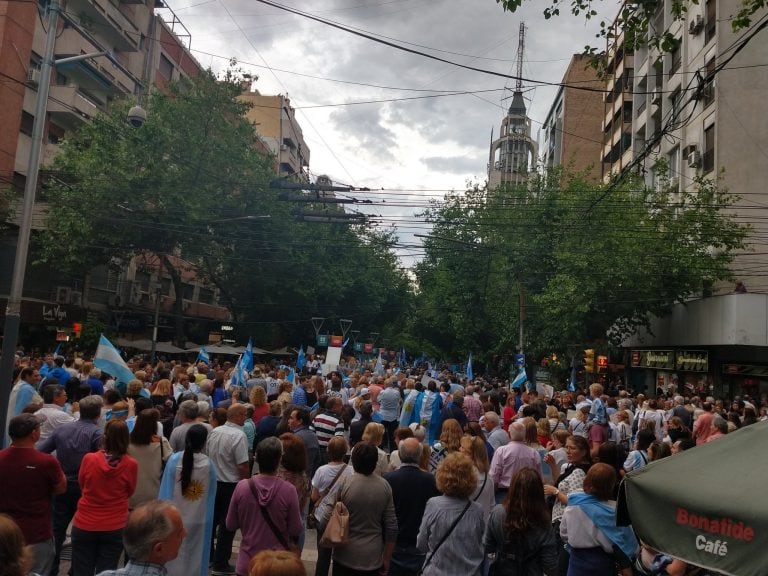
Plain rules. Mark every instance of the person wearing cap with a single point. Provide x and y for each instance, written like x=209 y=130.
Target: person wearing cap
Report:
x=28 y=481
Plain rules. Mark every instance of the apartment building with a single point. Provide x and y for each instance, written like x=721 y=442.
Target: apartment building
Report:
x=275 y=121
x=148 y=47
x=571 y=135
x=715 y=125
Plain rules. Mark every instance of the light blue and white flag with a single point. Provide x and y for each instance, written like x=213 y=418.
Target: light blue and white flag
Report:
x=239 y=374
x=424 y=408
x=345 y=344
x=470 y=373
x=108 y=359
x=291 y=377
x=248 y=357
x=572 y=380
x=57 y=352
x=301 y=360
x=379 y=368
x=202 y=355
x=520 y=379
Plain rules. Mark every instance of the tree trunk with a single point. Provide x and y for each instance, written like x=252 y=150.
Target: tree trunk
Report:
x=178 y=304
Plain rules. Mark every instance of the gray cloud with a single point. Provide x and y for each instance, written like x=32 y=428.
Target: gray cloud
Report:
x=460 y=165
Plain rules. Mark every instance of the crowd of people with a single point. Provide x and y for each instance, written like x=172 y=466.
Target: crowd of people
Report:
x=438 y=475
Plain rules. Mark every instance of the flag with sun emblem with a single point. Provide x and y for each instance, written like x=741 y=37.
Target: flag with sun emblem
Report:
x=196 y=504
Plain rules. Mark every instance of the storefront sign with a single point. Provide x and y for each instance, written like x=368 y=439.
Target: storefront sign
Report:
x=746 y=370
x=692 y=360
x=358 y=346
x=59 y=315
x=336 y=340
x=322 y=339
x=658 y=359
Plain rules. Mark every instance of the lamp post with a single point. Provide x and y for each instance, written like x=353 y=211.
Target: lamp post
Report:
x=13 y=307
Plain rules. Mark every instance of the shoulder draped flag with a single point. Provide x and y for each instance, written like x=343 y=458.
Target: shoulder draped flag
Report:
x=108 y=359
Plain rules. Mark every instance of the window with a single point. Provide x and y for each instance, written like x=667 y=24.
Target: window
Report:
x=27 y=120
x=165 y=68
x=55 y=133
x=61 y=80
x=675 y=58
x=710 y=26
x=142 y=280
x=708 y=95
x=673 y=158
x=627 y=111
x=205 y=296
x=165 y=286
x=187 y=291
x=708 y=162
x=675 y=102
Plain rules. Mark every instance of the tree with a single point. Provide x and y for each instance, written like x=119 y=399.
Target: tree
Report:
x=635 y=20
x=122 y=192
x=593 y=262
x=191 y=189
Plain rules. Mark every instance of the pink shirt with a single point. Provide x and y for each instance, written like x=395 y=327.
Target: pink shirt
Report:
x=510 y=458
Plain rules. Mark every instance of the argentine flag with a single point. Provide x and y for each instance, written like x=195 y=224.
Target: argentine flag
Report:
x=379 y=368
x=108 y=359
x=247 y=363
x=301 y=360
x=572 y=380
x=520 y=379
x=202 y=355
x=470 y=372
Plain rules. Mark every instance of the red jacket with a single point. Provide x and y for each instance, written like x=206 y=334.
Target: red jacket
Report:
x=103 y=507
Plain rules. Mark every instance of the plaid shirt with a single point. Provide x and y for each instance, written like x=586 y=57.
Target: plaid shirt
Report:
x=137 y=569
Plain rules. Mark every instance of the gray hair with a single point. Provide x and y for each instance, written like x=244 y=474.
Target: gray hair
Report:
x=189 y=409
x=95 y=373
x=517 y=431
x=203 y=409
x=90 y=407
x=410 y=452
x=147 y=525
x=492 y=417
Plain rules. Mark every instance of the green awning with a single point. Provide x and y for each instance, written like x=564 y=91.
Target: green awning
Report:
x=707 y=505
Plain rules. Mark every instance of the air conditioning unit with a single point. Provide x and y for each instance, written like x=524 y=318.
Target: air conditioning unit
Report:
x=76 y=298
x=688 y=149
x=33 y=77
x=656 y=96
x=696 y=25
x=283 y=147
x=694 y=159
x=674 y=182
x=62 y=294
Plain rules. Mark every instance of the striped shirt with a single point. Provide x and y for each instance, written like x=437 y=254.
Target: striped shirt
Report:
x=326 y=426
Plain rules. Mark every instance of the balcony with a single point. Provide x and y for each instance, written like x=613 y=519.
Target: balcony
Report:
x=68 y=107
x=103 y=18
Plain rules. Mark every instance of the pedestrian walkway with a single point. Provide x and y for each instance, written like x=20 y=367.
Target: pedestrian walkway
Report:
x=308 y=556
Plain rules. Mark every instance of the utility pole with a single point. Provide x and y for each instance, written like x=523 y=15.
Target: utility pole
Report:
x=158 y=298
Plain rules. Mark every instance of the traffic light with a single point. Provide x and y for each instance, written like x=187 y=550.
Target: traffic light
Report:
x=602 y=363
x=77 y=328
x=589 y=361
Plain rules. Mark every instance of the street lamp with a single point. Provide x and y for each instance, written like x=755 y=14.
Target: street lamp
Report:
x=13 y=307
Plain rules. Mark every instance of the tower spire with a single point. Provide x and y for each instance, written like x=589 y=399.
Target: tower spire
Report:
x=520 y=52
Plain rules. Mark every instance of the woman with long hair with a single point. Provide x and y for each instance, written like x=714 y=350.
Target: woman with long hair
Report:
x=519 y=531
x=293 y=469
x=510 y=410
x=277 y=563
x=107 y=480
x=162 y=399
x=150 y=452
x=450 y=442
x=189 y=482
x=474 y=447
x=258 y=398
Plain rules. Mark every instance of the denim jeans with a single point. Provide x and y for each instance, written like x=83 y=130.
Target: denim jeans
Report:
x=64 y=507
x=222 y=551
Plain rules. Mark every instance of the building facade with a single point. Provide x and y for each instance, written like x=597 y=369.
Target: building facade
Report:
x=715 y=126
x=276 y=125
x=148 y=47
x=571 y=135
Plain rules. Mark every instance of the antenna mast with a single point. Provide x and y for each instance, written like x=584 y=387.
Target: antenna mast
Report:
x=520 y=51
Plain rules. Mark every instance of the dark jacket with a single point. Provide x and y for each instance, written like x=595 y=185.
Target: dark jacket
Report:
x=411 y=488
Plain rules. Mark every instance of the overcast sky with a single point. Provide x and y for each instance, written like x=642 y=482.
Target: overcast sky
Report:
x=423 y=145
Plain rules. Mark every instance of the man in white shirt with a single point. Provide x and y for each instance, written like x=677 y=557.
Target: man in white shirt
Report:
x=53 y=413
x=227 y=447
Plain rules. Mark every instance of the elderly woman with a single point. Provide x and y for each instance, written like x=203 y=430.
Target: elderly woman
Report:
x=588 y=527
x=372 y=519
x=374 y=435
x=454 y=520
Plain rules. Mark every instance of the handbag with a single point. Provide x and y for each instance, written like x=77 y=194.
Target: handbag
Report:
x=336 y=533
x=290 y=546
x=445 y=536
x=311 y=519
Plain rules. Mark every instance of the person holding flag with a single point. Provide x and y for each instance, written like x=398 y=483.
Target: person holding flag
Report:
x=202 y=356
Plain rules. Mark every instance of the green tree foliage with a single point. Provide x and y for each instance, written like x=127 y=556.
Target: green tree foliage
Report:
x=591 y=262
x=192 y=183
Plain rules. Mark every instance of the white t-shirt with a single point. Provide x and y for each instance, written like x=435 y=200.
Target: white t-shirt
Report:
x=323 y=478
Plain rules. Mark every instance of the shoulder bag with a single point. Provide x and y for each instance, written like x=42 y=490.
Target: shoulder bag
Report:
x=290 y=546
x=445 y=536
x=311 y=520
x=336 y=533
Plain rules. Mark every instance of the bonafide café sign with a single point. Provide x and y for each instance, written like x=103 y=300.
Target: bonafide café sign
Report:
x=714 y=534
